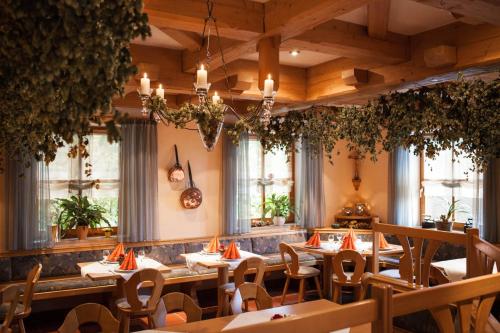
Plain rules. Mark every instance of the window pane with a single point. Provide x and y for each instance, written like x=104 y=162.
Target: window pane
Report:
x=276 y=165
x=104 y=158
x=440 y=167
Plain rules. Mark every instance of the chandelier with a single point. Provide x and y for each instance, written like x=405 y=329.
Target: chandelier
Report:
x=208 y=112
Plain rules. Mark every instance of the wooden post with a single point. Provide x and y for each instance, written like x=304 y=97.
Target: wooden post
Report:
x=375 y=249
x=471 y=254
x=269 y=60
x=382 y=293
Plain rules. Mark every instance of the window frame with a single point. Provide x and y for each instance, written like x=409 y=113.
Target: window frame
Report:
x=291 y=216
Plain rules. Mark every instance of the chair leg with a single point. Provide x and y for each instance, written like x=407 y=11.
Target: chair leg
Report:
x=318 y=287
x=301 y=290
x=125 y=323
x=285 y=289
x=357 y=293
x=20 y=323
x=151 y=321
x=337 y=294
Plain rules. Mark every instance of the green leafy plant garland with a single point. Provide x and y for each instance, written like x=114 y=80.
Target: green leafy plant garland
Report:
x=61 y=62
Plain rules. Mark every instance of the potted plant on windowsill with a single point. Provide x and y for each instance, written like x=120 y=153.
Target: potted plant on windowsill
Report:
x=77 y=212
x=444 y=223
x=279 y=207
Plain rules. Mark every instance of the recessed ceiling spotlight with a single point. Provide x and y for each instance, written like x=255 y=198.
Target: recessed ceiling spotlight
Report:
x=294 y=53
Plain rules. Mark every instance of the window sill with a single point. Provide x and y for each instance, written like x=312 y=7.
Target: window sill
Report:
x=98 y=242
x=273 y=228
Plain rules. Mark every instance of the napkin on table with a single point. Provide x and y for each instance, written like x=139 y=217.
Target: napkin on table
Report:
x=232 y=252
x=348 y=243
x=117 y=252
x=382 y=242
x=214 y=245
x=129 y=263
x=314 y=240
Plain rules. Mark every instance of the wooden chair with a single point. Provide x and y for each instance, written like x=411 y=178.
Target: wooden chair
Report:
x=29 y=288
x=181 y=302
x=343 y=279
x=297 y=272
x=250 y=291
x=483 y=256
x=89 y=313
x=247 y=266
x=9 y=298
x=415 y=264
x=135 y=305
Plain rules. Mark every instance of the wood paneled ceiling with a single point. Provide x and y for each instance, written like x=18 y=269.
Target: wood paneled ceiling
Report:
x=394 y=43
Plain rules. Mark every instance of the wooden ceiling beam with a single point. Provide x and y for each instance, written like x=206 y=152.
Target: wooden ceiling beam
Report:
x=239 y=20
x=352 y=41
x=483 y=10
x=188 y=40
x=476 y=46
x=378 y=18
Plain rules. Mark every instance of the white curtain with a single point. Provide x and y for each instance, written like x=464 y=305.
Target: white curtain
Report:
x=236 y=185
x=404 y=187
x=27 y=206
x=138 y=204
x=309 y=190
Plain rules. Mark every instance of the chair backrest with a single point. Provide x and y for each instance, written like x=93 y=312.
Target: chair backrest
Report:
x=10 y=296
x=133 y=285
x=414 y=265
x=181 y=302
x=352 y=256
x=248 y=266
x=293 y=266
x=89 y=313
x=250 y=291
x=483 y=256
x=31 y=280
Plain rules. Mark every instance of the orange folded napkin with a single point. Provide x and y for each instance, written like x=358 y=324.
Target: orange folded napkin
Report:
x=232 y=252
x=352 y=234
x=213 y=246
x=382 y=242
x=348 y=243
x=314 y=240
x=117 y=252
x=129 y=263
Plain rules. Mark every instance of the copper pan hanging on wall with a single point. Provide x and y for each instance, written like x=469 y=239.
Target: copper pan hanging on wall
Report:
x=191 y=197
x=176 y=173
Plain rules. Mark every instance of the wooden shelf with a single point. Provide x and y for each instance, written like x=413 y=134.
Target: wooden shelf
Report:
x=342 y=230
x=353 y=217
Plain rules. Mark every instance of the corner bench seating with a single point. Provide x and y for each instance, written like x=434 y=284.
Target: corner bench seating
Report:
x=61 y=277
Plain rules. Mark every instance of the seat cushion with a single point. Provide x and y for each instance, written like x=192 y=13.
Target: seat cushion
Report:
x=228 y=287
x=306 y=271
x=123 y=304
x=275 y=258
x=348 y=274
x=394 y=261
x=393 y=273
x=4 y=308
x=70 y=283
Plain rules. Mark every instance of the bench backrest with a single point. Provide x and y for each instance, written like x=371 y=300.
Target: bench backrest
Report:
x=484 y=256
x=415 y=263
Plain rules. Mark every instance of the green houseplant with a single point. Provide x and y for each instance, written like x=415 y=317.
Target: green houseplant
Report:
x=279 y=207
x=445 y=223
x=78 y=212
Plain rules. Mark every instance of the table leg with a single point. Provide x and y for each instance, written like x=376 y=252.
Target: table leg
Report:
x=327 y=275
x=118 y=293
x=222 y=278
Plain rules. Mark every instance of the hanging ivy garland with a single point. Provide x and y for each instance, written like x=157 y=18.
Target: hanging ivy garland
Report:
x=61 y=62
x=463 y=115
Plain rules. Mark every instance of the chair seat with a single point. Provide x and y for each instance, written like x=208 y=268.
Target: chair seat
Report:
x=122 y=303
x=393 y=273
x=4 y=307
x=305 y=272
x=348 y=274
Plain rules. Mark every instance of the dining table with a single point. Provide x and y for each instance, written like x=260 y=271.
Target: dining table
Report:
x=226 y=323
x=329 y=249
x=199 y=261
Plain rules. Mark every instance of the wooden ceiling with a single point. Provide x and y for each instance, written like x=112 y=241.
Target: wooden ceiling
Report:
x=351 y=50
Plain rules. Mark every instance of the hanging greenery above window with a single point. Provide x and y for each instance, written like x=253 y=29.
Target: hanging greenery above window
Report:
x=463 y=115
x=61 y=62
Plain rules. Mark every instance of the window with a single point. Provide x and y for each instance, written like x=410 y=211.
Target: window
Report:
x=67 y=174
x=446 y=179
x=270 y=173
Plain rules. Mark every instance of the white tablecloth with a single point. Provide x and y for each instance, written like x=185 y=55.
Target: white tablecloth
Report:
x=192 y=259
x=100 y=268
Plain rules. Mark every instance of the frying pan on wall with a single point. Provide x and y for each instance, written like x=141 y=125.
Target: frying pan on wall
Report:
x=176 y=173
x=191 y=197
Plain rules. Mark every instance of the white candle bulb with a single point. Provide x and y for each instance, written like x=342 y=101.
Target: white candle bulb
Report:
x=201 y=77
x=145 y=85
x=268 y=86
x=215 y=98
x=160 y=91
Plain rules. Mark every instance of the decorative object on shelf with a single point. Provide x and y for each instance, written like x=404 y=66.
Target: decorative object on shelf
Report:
x=427 y=222
x=77 y=212
x=348 y=210
x=356 y=180
x=54 y=229
x=279 y=207
x=176 y=173
x=353 y=221
x=209 y=112
x=191 y=197
x=361 y=209
x=75 y=59
x=469 y=224
x=108 y=232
